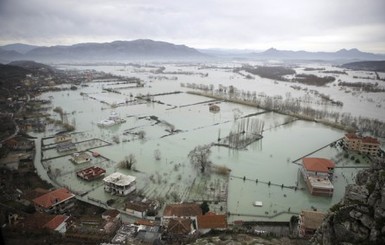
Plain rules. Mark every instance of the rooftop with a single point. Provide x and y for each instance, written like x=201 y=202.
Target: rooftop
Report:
x=317 y=164
x=179 y=226
x=370 y=140
x=119 y=179
x=212 y=221
x=51 y=198
x=182 y=210
x=319 y=182
x=91 y=173
x=365 y=139
x=312 y=219
x=55 y=222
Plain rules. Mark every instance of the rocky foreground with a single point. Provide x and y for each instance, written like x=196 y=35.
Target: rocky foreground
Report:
x=360 y=216
x=245 y=239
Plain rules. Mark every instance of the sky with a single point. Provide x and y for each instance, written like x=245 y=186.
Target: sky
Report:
x=311 y=25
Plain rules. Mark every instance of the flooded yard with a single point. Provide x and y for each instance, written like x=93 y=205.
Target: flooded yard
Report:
x=172 y=123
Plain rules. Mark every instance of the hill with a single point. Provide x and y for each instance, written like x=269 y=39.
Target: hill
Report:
x=343 y=54
x=19 y=47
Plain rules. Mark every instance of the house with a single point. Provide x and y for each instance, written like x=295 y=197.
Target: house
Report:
x=40 y=221
x=60 y=138
x=91 y=173
x=309 y=221
x=111 y=215
x=366 y=145
x=138 y=209
x=58 y=223
x=177 y=229
x=80 y=157
x=57 y=201
x=317 y=173
x=119 y=184
x=11 y=162
x=210 y=221
x=182 y=210
x=65 y=146
x=20 y=143
x=214 y=108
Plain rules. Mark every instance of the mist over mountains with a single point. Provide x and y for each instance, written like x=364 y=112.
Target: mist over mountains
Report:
x=145 y=49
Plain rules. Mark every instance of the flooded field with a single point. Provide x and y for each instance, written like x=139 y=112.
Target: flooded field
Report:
x=162 y=129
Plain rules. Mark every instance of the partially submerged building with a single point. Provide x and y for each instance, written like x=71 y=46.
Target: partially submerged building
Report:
x=60 y=138
x=91 y=173
x=317 y=173
x=365 y=145
x=80 y=157
x=66 y=146
x=119 y=184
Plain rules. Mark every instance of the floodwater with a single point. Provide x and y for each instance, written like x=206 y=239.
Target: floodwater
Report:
x=173 y=178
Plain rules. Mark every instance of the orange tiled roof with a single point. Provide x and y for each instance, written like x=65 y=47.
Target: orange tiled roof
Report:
x=371 y=140
x=182 y=210
x=51 y=198
x=179 y=226
x=352 y=136
x=212 y=221
x=317 y=164
x=55 y=222
x=146 y=222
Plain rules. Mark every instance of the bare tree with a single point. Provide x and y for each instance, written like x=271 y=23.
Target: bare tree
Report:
x=141 y=134
x=128 y=161
x=199 y=157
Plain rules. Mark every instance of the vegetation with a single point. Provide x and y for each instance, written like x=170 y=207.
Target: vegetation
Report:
x=271 y=72
x=128 y=162
x=314 y=80
x=365 y=87
x=199 y=157
x=294 y=107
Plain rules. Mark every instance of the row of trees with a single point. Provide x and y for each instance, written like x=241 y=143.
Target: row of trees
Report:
x=296 y=107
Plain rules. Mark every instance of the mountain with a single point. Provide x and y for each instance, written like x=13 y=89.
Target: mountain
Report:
x=19 y=47
x=7 y=55
x=343 y=54
x=117 y=50
x=366 y=65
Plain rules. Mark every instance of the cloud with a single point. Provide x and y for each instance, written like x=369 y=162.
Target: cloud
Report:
x=296 y=24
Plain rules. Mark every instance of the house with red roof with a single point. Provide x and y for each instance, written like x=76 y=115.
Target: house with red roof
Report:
x=366 y=145
x=57 y=201
x=40 y=221
x=182 y=210
x=210 y=221
x=317 y=173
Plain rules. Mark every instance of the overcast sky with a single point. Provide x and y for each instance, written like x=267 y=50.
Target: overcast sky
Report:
x=312 y=25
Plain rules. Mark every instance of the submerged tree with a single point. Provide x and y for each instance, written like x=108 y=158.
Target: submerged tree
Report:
x=128 y=161
x=157 y=154
x=199 y=157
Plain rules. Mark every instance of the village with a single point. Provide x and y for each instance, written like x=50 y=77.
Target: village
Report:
x=50 y=211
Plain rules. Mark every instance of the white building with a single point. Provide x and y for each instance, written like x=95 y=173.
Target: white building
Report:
x=119 y=184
